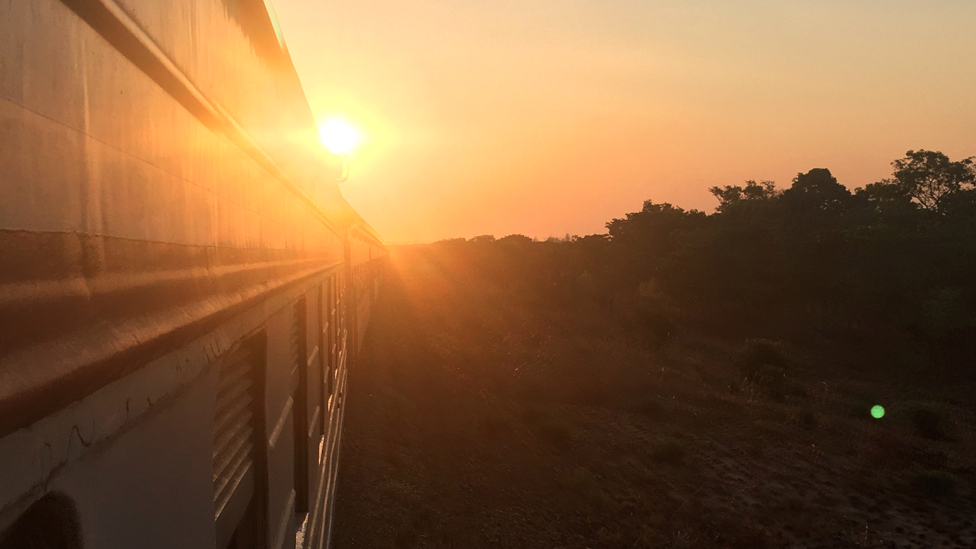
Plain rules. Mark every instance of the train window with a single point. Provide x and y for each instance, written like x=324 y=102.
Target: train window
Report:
x=49 y=523
x=300 y=363
x=237 y=451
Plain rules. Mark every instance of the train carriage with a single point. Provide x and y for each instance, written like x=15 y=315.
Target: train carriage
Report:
x=182 y=285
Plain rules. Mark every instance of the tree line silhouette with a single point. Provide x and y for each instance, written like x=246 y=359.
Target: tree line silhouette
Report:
x=894 y=260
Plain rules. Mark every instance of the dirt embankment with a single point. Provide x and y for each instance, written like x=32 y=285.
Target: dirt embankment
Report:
x=481 y=418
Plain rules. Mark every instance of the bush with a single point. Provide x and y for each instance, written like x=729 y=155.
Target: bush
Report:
x=765 y=363
x=669 y=451
x=935 y=483
x=768 y=376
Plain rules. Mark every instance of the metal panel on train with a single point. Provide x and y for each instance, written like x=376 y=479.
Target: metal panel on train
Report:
x=182 y=285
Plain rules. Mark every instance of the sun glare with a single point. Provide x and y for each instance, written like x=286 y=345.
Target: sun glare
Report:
x=338 y=136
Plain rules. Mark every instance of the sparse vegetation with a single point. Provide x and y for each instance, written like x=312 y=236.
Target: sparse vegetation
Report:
x=764 y=363
x=686 y=380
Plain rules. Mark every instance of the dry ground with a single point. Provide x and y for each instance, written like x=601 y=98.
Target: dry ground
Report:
x=478 y=417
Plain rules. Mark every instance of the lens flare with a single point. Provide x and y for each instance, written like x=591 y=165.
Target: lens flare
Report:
x=339 y=136
x=877 y=411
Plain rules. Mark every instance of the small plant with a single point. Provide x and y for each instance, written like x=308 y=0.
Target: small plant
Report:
x=762 y=351
x=935 y=483
x=670 y=451
x=765 y=363
x=928 y=424
x=770 y=376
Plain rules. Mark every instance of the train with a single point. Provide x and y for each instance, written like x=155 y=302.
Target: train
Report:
x=183 y=288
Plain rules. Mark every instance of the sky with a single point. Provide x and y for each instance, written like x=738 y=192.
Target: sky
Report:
x=551 y=117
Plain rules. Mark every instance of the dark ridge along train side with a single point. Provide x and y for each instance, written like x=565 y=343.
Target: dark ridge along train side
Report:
x=182 y=286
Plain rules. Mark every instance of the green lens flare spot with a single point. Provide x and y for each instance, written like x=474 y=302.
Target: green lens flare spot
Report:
x=877 y=411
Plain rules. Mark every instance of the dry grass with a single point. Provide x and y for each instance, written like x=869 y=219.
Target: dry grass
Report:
x=481 y=416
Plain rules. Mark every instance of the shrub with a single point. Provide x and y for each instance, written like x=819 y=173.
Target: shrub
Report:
x=935 y=483
x=765 y=363
x=769 y=376
x=669 y=451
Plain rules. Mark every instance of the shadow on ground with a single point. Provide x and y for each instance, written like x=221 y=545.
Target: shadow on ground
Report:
x=479 y=416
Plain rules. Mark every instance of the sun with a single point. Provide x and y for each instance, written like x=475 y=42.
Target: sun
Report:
x=338 y=136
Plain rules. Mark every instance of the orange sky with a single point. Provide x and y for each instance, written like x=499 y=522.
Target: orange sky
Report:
x=549 y=117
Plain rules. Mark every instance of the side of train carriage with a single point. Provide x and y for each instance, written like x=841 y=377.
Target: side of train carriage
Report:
x=182 y=286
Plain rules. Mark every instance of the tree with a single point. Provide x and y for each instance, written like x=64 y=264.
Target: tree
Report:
x=728 y=195
x=884 y=191
x=929 y=177
x=515 y=240
x=483 y=239
x=653 y=226
x=817 y=190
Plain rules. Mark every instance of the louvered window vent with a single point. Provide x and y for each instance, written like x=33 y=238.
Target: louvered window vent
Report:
x=234 y=433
